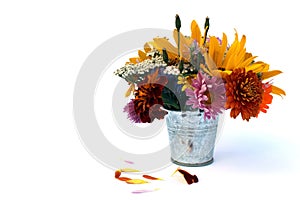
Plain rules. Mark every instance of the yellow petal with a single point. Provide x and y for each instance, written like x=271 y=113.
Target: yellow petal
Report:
x=269 y=74
x=129 y=170
x=229 y=55
x=142 y=55
x=134 y=60
x=213 y=42
x=240 y=57
x=248 y=60
x=236 y=35
x=147 y=47
x=196 y=33
x=258 y=67
x=220 y=73
x=160 y=43
x=130 y=90
x=175 y=171
x=210 y=64
x=136 y=181
x=223 y=48
x=184 y=87
x=234 y=53
x=277 y=90
x=243 y=42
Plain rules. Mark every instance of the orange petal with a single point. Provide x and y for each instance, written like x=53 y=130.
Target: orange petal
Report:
x=147 y=47
x=151 y=177
x=117 y=173
x=142 y=55
x=124 y=178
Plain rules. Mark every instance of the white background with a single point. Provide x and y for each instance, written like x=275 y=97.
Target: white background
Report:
x=42 y=48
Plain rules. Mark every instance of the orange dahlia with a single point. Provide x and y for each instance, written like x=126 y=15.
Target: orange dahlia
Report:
x=244 y=93
x=148 y=98
x=148 y=101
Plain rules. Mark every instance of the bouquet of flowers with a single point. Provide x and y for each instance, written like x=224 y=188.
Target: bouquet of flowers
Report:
x=200 y=72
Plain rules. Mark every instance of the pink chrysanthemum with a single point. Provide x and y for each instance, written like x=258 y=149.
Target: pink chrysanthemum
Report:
x=131 y=114
x=208 y=95
x=216 y=93
x=196 y=95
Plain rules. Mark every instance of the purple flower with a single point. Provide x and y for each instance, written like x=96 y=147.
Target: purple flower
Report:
x=131 y=114
x=208 y=95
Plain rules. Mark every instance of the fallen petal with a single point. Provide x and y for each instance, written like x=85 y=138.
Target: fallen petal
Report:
x=129 y=162
x=129 y=170
x=151 y=177
x=143 y=191
x=124 y=178
x=187 y=176
x=136 y=181
x=117 y=173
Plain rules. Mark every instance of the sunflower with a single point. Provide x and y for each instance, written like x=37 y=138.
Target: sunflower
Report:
x=175 y=54
x=199 y=72
x=222 y=60
x=244 y=93
x=182 y=50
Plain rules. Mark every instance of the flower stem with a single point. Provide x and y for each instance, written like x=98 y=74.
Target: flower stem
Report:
x=178 y=43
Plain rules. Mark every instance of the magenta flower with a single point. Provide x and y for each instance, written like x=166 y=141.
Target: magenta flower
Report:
x=208 y=95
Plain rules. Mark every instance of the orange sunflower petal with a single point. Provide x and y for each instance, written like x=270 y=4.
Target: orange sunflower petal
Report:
x=196 y=33
x=269 y=74
x=277 y=90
